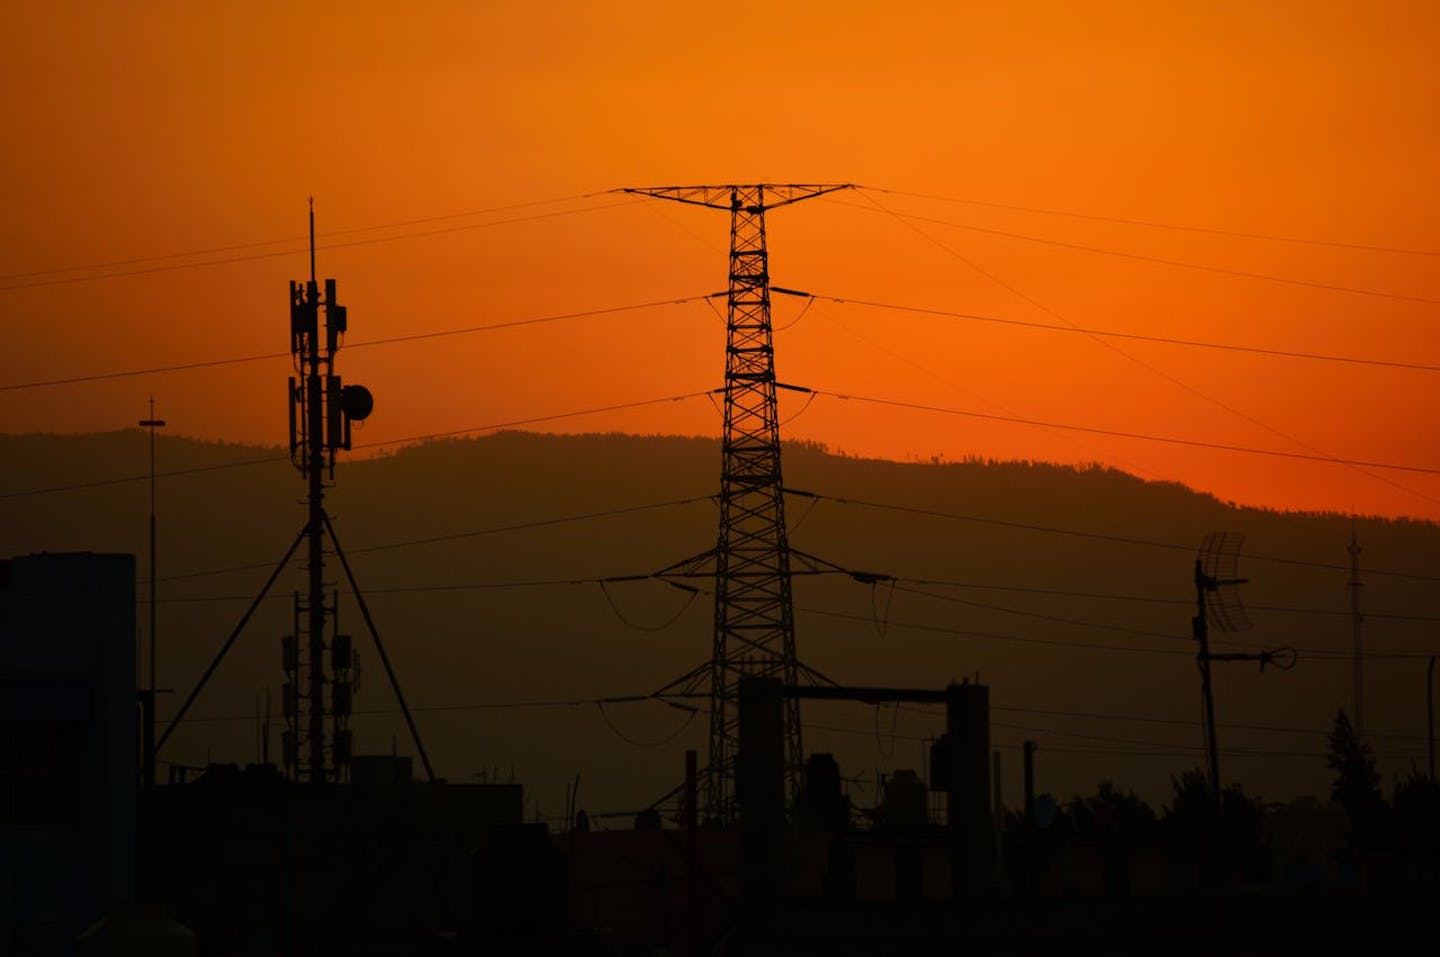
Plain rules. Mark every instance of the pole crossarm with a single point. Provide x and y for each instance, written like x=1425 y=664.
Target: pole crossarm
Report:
x=751 y=197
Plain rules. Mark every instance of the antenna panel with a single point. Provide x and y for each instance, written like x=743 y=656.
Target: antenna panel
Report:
x=334 y=413
x=341 y=653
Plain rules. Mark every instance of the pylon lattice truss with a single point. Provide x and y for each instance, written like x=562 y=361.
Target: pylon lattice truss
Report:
x=754 y=628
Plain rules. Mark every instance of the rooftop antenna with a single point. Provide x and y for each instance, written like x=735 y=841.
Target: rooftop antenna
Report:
x=1217 y=602
x=317 y=739
x=311 y=200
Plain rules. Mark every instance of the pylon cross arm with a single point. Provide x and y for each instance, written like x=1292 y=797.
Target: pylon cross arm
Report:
x=759 y=195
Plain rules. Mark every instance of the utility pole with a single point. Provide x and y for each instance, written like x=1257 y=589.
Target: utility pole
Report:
x=1201 y=630
x=754 y=626
x=1357 y=626
x=1217 y=597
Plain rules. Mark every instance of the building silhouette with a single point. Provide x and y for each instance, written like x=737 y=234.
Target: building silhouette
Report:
x=67 y=746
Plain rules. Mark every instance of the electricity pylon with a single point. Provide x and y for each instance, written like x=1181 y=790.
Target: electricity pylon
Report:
x=754 y=633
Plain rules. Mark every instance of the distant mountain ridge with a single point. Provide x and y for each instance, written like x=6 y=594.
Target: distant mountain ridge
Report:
x=1027 y=559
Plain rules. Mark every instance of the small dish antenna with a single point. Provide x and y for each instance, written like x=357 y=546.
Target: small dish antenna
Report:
x=357 y=402
x=1216 y=568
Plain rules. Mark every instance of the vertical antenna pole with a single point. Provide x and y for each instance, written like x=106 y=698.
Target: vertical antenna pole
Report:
x=1357 y=627
x=315 y=528
x=1202 y=635
x=312 y=239
x=148 y=758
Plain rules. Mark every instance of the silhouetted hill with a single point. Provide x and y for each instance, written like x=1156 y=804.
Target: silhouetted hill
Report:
x=462 y=643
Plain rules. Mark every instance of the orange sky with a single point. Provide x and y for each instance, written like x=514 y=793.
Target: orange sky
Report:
x=138 y=130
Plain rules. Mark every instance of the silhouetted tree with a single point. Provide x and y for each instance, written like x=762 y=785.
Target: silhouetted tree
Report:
x=1224 y=835
x=1356 y=787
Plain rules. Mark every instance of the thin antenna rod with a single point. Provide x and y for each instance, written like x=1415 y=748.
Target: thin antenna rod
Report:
x=312 y=240
x=1357 y=631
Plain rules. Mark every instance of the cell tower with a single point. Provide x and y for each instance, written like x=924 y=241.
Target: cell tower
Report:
x=316 y=696
x=317 y=741
x=754 y=628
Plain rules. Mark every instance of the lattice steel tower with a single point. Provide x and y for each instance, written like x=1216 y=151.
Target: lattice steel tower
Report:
x=754 y=630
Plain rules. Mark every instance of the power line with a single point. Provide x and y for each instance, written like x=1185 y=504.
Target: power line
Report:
x=1168 y=340
x=295 y=239
x=992 y=636
x=1167 y=747
x=1141 y=436
x=1142 y=257
x=471 y=706
x=1095 y=737
x=1187 y=722
x=1152 y=369
x=538 y=703
x=456 y=536
x=1310 y=654
x=514 y=423
x=601 y=580
x=954 y=386
x=1094 y=536
x=1150 y=599
x=1057 y=619
x=391 y=340
x=1152 y=750
x=1081 y=622
x=1155 y=224
x=1172 y=754
x=168 y=267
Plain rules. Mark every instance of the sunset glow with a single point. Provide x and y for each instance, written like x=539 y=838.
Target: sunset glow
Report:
x=138 y=131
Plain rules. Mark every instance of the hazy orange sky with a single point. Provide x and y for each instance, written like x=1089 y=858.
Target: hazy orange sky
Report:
x=145 y=129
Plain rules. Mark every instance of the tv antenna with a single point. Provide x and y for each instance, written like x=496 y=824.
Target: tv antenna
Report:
x=317 y=739
x=1217 y=602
